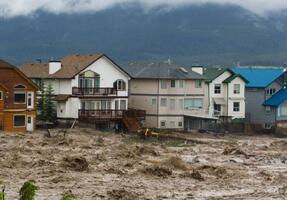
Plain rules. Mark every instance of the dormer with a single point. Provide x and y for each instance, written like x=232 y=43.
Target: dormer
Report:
x=54 y=66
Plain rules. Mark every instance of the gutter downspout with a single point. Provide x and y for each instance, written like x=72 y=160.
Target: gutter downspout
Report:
x=158 y=103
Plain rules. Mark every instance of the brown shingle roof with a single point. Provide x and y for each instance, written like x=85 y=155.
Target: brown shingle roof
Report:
x=71 y=66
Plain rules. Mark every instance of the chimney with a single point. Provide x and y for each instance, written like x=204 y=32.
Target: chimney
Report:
x=54 y=66
x=197 y=69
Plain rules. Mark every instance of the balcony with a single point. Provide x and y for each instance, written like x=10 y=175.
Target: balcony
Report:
x=199 y=113
x=98 y=115
x=93 y=91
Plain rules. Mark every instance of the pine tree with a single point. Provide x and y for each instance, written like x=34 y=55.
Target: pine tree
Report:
x=41 y=102
x=49 y=104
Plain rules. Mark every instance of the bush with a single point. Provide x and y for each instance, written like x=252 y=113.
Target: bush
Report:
x=69 y=196
x=28 y=190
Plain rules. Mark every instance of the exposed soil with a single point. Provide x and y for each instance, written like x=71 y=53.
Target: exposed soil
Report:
x=97 y=165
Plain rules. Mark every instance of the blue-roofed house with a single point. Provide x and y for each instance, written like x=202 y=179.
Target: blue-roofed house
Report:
x=265 y=95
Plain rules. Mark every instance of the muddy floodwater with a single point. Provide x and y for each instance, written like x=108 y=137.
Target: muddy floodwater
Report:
x=98 y=165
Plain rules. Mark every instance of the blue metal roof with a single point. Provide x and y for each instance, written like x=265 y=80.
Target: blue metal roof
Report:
x=277 y=98
x=258 y=77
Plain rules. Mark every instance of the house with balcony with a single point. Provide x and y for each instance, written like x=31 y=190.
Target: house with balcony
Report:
x=174 y=97
x=17 y=100
x=226 y=93
x=91 y=88
x=265 y=96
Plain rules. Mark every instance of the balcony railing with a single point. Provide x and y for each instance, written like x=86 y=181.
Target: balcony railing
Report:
x=110 y=114
x=94 y=91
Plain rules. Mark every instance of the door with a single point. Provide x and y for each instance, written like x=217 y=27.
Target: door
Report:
x=30 y=123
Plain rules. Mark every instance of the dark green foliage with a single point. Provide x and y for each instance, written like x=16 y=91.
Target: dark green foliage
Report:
x=69 y=196
x=45 y=105
x=28 y=190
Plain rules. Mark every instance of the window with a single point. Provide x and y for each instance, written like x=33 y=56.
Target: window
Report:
x=120 y=84
x=1 y=95
x=180 y=124
x=198 y=84
x=190 y=104
x=217 y=88
x=270 y=91
x=282 y=111
x=163 y=84
x=123 y=105
x=163 y=102
x=267 y=126
x=172 y=104
x=172 y=124
x=19 y=120
x=181 y=83
x=268 y=109
x=180 y=104
x=236 y=89
x=236 y=106
x=153 y=102
x=30 y=100
x=162 y=124
x=217 y=109
x=20 y=97
x=172 y=84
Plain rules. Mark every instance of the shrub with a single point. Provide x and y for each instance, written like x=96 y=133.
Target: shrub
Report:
x=28 y=190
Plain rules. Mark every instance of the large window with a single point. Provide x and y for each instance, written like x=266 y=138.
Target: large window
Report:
x=236 y=88
x=236 y=106
x=172 y=104
x=163 y=84
x=89 y=79
x=120 y=84
x=153 y=102
x=19 y=120
x=190 y=104
x=163 y=102
x=217 y=88
x=123 y=104
x=20 y=97
x=181 y=83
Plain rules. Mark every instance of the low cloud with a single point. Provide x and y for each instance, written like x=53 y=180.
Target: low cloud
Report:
x=13 y=8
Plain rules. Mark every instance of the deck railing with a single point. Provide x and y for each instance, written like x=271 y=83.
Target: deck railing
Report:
x=110 y=114
x=93 y=91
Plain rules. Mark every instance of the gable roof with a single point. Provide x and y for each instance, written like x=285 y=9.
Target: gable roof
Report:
x=214 y=72
x=258 y=77
x=231 y=78
x=161 y=70
x=71 y=65
x=277 y=98
x=6 y=65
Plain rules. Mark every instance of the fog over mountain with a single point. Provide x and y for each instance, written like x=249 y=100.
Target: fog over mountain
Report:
x=188 y=32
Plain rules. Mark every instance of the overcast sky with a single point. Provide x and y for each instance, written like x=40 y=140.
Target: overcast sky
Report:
x=12 y=8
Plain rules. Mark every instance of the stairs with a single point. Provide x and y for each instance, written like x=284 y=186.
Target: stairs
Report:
x=132 y=124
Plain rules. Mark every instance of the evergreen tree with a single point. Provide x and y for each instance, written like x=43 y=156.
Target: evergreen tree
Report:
x=50 y=107
x=45 y=104
x=28 y=190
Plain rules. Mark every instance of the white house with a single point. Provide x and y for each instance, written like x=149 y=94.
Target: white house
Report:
x=226 y=93
x=86 y=86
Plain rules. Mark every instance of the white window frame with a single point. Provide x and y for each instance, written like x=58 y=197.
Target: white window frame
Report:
x=162 y=104
x=163 y=84
x=181 y=83
x=236 y=90
x=153 y=101
x=235 y=108
x=32 y=100
x=180 y=124
x=267 y=126
x=172 y=104
x=270 y=91
x=20 y=92
x=217 y=90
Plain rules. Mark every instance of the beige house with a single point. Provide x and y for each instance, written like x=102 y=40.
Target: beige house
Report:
x=174 y=97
